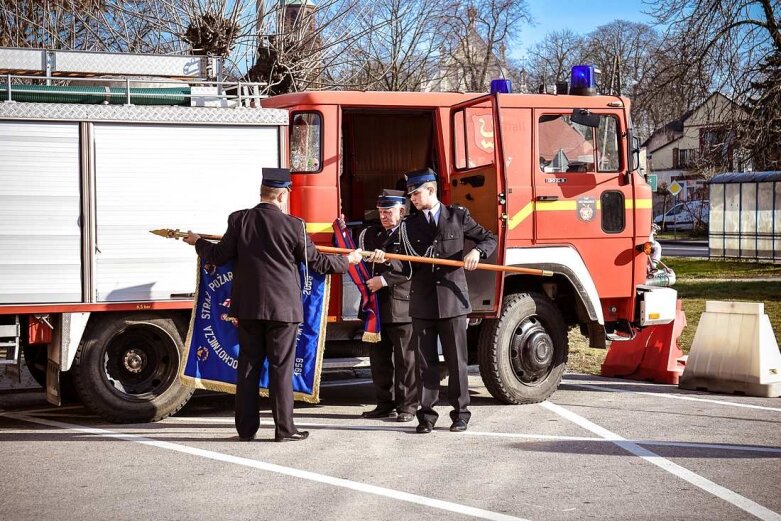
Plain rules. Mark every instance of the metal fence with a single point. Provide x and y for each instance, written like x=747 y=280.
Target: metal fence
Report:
x=745 y=216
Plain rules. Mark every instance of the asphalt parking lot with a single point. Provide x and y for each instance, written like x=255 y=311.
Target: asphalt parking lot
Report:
x=599 y=449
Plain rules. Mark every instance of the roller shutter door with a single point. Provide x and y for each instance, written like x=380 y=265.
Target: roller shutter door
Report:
x=166 y=176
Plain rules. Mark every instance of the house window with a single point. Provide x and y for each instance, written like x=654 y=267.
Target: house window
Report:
x=684 y=157
x=566 y=146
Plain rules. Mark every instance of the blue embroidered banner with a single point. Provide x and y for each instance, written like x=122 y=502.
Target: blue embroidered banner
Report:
x=212 y=356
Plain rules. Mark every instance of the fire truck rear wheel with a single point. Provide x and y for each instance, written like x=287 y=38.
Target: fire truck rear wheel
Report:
x=523 y=353
x=127 y=367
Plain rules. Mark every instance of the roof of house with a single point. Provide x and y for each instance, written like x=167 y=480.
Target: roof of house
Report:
x=745 y=177
x=675 y=127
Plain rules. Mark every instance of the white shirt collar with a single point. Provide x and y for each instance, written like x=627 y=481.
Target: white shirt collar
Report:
x=434 y=210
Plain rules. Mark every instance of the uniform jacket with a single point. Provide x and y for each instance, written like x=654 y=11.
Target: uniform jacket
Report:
x=441 y=291
x=394 y=298
x=267 y=245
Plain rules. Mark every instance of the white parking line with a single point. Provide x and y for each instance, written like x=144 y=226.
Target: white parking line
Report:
x=525 y=436
x=726 y=494
x=278 y=469
x=675 y=397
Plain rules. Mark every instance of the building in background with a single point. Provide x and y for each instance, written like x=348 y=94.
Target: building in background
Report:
x=687 y=152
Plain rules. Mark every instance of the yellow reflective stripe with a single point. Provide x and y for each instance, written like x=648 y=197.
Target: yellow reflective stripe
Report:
x=319 y=227
x=561 y=206
x=519 y=217
x=553 y=206
x=641 y=203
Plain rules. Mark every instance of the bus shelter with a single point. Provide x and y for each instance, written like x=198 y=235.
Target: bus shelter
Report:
x=745 y=216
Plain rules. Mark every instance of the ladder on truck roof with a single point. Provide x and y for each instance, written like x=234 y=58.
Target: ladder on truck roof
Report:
x=64 y=64
x=27 y=75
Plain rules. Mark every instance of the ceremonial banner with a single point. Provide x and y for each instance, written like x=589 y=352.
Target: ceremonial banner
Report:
x=212 y=354
x=359 y=273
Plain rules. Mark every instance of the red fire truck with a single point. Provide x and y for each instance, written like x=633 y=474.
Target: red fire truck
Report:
x=92 y=298
x=553 y=176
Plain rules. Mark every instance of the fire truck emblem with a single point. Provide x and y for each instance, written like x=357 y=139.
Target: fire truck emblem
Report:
x=485 y=127
x=202 y=353
x=586 y=208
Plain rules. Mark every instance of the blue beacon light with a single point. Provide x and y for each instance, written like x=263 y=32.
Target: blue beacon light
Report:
x=582 y=81
x=501 y=87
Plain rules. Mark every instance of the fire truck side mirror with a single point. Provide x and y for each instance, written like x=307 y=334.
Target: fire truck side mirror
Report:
x=585 y=117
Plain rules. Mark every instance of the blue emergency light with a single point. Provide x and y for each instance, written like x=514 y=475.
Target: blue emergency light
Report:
x=501 y=87
x=583 y=81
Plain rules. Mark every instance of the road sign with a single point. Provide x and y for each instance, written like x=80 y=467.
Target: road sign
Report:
x=651 y=179
x=674 y=188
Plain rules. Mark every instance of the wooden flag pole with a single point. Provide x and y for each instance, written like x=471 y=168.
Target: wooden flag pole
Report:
x=444 y=262
x=177 y=234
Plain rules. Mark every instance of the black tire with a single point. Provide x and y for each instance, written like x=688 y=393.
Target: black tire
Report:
x=127 y=367
x=523 y=353
x=36 y=360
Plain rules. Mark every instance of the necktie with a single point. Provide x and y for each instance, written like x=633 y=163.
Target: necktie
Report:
x=432 y=223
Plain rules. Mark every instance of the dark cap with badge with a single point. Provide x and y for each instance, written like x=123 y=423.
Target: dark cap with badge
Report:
x=418 y=178
x=276 y=177
x=391 y=199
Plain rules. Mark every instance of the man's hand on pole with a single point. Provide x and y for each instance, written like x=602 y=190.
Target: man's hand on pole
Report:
x=191 y=238
x=471 y=260
x=377 y=256
x=354 y=257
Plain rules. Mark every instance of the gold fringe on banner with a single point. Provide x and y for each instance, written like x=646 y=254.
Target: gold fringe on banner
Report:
x=368 y=336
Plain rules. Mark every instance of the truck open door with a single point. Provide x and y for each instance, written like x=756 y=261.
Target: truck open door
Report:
x=476 y=180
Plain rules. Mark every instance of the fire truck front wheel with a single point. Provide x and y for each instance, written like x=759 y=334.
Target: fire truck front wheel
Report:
x=522 y=354
x=127 y=366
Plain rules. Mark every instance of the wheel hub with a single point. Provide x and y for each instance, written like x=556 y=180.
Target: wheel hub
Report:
x=531 y=351
x=140 y=362
x=134 y=360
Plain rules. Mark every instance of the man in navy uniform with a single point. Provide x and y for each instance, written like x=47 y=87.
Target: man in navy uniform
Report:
x=267 y=245
x=439 y=299
x=395 y=354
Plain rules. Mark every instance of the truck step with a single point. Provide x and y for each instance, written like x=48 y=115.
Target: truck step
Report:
x=10 y=347
x=353 y=362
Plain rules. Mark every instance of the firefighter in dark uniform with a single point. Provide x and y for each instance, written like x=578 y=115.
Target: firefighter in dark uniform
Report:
x=267 y=245
x=395 y=355
x=439 y=299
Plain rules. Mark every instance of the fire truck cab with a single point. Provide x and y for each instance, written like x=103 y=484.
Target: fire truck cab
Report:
x=551 y=175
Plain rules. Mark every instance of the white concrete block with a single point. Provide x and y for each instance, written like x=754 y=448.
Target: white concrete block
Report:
x=742 y=308
x=735 y=351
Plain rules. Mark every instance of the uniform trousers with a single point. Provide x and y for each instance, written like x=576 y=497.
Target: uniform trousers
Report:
x=452 y=335
x=260 y=340
x=395 y=355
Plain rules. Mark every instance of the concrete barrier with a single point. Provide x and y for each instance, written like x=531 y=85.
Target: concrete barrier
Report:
x=734 y=351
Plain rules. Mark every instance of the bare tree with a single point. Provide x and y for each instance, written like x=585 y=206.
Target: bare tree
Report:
x=733 y=46
x=399 y=45
x=551 y=60
x=477 y=34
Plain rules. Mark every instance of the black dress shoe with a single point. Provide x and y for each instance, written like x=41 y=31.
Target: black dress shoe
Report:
x=458 y=426
x=246 y=438
x=424 y=427
x=296 y=436
x=378 y=412
x=405 y=417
